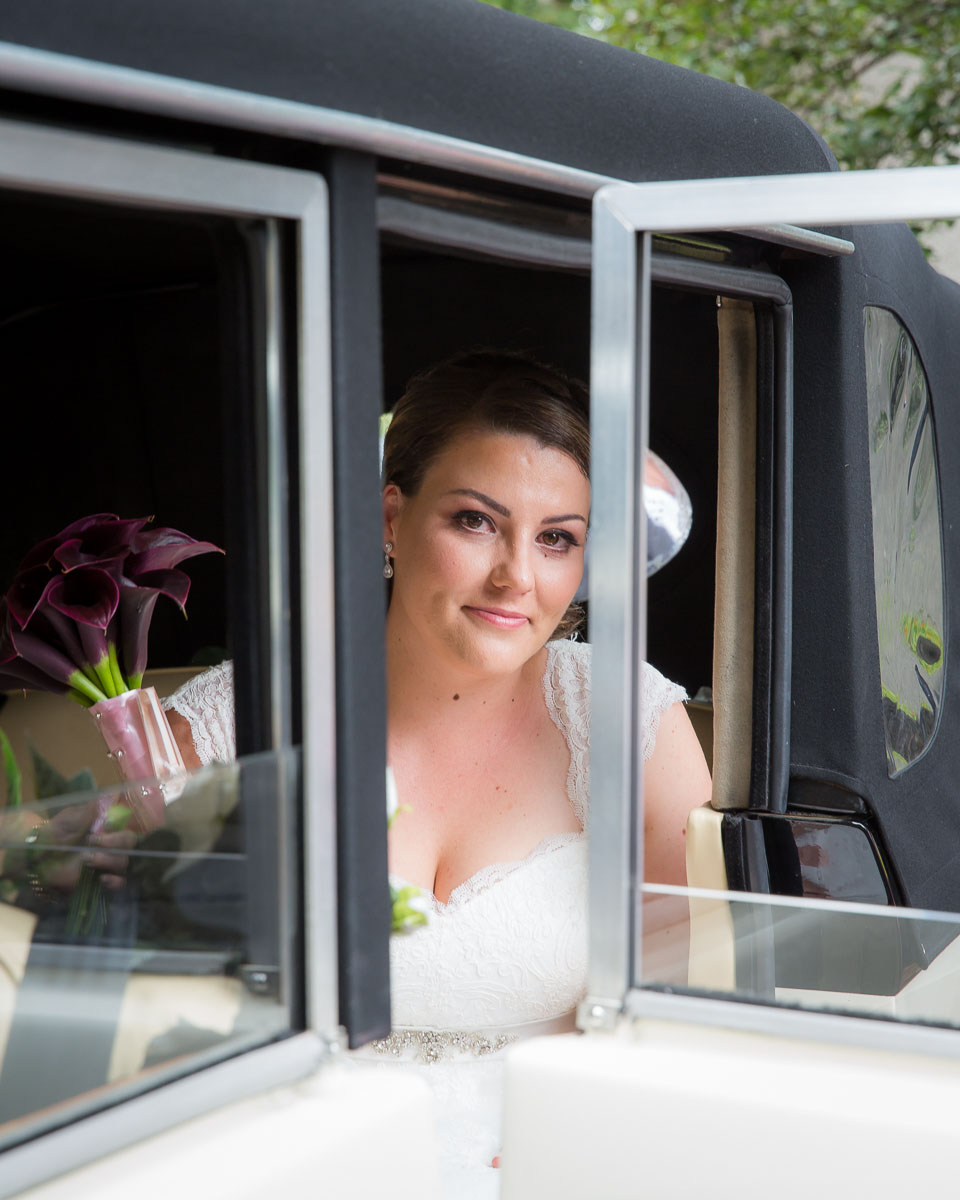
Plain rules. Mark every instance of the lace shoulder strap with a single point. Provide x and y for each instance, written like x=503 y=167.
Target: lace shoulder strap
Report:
x=657 y=693
x=566 y=690
x=206 y=701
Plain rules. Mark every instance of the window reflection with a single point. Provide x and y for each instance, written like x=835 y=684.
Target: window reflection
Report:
x=907 y=554
x=187 y=968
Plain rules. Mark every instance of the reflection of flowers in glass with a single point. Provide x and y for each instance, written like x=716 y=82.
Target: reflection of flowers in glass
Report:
x=410 y=907
x=76 y=617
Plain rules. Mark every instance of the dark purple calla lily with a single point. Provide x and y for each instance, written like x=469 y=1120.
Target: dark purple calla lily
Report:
x=20 y=674
x=42 y=552
x=161 y=549
x=96 y=651
x=104 y=543
x=61 y=629
x=172 y=583
x=81 y=593
x=28 y=592
x=137 y=602
x=88 y=595
x=39 y=556
x=39 y=653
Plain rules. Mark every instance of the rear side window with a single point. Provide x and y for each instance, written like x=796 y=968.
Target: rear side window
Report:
x=907 y=550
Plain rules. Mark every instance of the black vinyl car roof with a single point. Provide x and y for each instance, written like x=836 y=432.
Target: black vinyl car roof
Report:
x=454 y=67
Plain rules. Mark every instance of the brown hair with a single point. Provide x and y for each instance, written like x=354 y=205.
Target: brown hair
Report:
x=489 y=391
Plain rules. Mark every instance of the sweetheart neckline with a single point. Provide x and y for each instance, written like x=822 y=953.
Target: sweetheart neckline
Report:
x=550 y=842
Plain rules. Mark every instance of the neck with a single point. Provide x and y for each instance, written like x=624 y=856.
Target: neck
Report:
x=425 y=690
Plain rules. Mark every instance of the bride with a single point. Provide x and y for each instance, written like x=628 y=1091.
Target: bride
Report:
x=485 y=518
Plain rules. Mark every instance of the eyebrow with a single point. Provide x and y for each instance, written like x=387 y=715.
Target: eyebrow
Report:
x=505 y=512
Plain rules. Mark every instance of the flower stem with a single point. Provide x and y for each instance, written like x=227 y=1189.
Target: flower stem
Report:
x=103 y=678
x=91 y=674
x=80 y=683
x=118 y=680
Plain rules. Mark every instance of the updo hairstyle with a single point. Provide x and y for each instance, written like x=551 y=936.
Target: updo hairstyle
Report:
x=487 y=391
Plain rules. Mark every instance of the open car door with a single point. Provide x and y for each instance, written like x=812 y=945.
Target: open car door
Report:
x=823 y=875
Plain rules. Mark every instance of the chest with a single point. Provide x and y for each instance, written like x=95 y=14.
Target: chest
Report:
x=473 y=796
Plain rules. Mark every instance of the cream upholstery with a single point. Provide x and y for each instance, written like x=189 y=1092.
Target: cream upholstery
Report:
x=736 y=501
x=712 y=961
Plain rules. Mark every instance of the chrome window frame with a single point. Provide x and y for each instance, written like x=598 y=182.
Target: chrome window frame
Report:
x=117 y=171
x=47 y=73
x=626 y=217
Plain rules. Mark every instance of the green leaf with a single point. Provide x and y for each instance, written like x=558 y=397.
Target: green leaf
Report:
x=11 y=773
x=49 y=782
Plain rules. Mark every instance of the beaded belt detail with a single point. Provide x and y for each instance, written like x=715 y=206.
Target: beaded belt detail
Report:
x=433 y=1046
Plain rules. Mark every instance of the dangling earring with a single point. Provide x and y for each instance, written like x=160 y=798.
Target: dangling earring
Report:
x=387 y=564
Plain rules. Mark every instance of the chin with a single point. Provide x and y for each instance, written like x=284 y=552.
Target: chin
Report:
x=495 y=654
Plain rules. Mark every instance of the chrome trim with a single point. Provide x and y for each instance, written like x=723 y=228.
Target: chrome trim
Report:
x=874 y=1033
x=168 y=1105
x=800 y=239
x=114 y=171
x=318 y=638
x=617 y=593
x=278 y=590
x=768 y=900
x=78 y=79
x=278 y=566
x=828 y=198
x=781 y=594
x=123 y=87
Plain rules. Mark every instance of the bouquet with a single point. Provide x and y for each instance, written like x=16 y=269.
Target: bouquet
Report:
x=76 y=620
x=76 y=617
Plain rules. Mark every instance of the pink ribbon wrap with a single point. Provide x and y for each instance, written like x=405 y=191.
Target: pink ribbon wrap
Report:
x=138 y=736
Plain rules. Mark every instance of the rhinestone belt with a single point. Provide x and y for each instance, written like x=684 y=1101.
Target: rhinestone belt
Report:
x=433 y=1046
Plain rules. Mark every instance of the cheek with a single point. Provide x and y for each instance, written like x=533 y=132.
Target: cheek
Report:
x=446 y=561
x=562 y=583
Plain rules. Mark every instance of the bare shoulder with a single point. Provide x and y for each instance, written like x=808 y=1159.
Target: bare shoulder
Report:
x=676 y=780
x=180 y=728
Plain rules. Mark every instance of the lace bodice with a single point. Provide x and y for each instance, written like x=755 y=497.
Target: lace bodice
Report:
x=509 y=947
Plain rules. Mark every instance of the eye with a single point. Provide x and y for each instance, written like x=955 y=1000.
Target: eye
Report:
x=558 y=539
x=475 y=522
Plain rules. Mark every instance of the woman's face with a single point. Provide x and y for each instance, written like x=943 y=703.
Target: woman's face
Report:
x=489 y=552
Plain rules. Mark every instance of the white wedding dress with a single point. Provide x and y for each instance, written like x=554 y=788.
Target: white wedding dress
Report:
x=504 y=958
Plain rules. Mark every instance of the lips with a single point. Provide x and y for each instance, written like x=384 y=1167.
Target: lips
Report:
x=501 y=618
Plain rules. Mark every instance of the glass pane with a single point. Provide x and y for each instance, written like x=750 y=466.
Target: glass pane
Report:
x=907 y=554
x=186 y=965
x=852 y=958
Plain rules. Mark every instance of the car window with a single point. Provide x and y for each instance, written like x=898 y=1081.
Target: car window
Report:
x=143 y=327
x=907 y=551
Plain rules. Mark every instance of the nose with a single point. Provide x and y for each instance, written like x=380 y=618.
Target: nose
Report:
x=513 y=569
